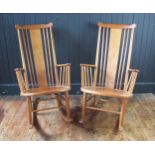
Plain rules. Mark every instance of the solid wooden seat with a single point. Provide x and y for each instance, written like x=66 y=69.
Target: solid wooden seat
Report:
x=45 y=90
x=102 y=91
x=40 y=74
x=111 y=75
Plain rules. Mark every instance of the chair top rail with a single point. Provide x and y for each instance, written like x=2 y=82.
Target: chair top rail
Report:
x=117 y=26
x=35 y=26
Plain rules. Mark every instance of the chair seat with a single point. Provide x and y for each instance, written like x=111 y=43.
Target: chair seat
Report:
x=45 y=90
x=102 y=91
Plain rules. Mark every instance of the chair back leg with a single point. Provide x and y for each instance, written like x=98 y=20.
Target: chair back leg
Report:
x=64 y=106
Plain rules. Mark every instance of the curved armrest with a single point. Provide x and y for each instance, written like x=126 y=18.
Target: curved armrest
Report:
x=64 y=74
x=61 y=65
x=134 y=70
x=18 y=69
x=132 y=80
x=87 y=74
x=20 y=79
x=88 y=65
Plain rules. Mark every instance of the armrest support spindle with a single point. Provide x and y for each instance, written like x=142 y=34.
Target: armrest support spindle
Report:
x=64 y=74
x=132 y=80
x=87 y=74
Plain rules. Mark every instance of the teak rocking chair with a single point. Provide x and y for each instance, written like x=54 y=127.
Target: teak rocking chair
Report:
x=111 y=75
x=41 y=75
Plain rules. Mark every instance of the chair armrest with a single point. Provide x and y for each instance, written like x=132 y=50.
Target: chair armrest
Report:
x=132 y=80
x=87 y=74
x=61 y=65
x=88 y=65
x=63 y=71
x=20 y=79
x=134 y=70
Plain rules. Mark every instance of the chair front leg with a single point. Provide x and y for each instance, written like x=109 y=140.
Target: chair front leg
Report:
x=122 y=112
x=30 y=111
x=84 y=104
x=68 y=105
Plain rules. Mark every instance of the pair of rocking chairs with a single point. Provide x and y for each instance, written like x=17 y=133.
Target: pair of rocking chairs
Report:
x=109 y=77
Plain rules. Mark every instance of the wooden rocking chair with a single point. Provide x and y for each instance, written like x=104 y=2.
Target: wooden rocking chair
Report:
x=41 y=75
x=111 y=75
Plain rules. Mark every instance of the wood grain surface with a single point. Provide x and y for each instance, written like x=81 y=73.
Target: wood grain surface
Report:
x=139 y=124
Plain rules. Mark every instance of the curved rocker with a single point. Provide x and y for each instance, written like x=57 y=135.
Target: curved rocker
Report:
x=110 y=76
x=40 y=74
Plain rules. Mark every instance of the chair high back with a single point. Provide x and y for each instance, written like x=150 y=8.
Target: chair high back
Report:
x=113 y=54
x=38 y=55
